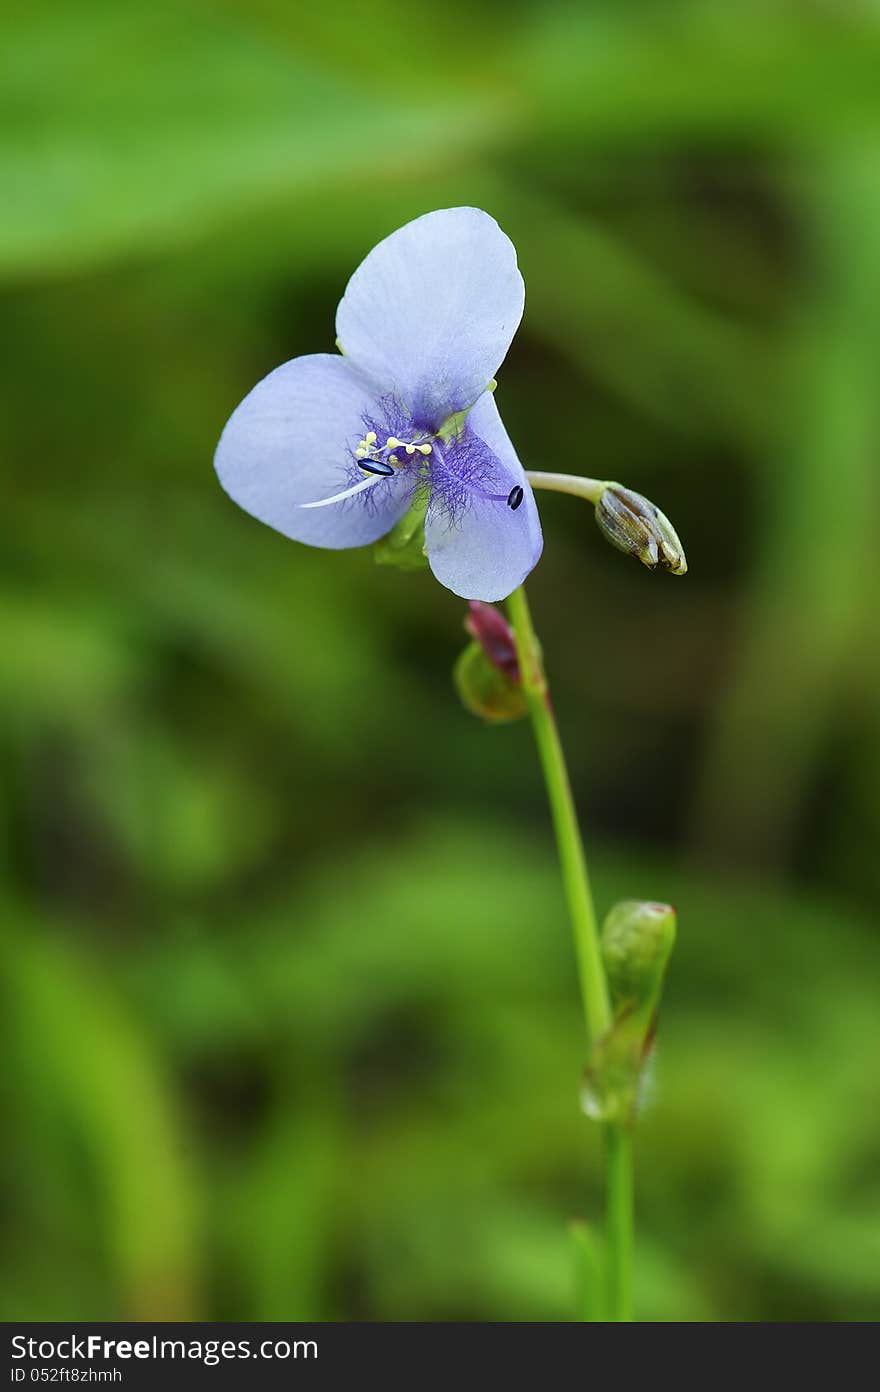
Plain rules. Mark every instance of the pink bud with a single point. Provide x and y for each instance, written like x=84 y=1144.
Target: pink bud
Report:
x=495 y=636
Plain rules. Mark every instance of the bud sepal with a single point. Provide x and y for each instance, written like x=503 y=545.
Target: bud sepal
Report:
x=487 y=674
x=637 y=940
x=636 y=526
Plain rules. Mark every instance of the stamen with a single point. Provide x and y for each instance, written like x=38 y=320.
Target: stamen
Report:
x=512 y=499
x=376 y=466
x=347 y=492
x=375 y=458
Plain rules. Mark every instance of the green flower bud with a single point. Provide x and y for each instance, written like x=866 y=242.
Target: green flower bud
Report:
x=487 y=673
x=634 y=525
x=485 y=690
x=613 y=1077
x=637 y=939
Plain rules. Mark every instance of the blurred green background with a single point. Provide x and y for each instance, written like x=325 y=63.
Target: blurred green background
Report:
x=291 y=1024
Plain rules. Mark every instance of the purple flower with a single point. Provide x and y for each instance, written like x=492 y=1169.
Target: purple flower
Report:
x=334 y=450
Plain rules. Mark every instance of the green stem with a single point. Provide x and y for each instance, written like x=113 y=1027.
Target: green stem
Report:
x=589 y=488
x=594 y=989
x=591 y=972
x=619 y=1222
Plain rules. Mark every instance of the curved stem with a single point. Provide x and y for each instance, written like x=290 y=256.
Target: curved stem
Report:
x=591 y=972
x=589 y=488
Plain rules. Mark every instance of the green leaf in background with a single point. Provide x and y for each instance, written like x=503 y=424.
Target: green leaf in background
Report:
x=291 y=1023
x=127 y=127
x=85 y=1059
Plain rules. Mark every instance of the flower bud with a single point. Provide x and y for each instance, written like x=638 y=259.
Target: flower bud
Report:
x=637 y=939
x=485 y=690
x=633 y=524
x=495 y=636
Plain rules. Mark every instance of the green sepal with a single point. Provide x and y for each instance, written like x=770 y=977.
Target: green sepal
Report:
x=485 y=690
x=454 y=424
x=404 y=545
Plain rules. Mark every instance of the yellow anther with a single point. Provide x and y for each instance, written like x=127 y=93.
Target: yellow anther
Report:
x=410 y=449
x=392 y=442
x=370 y=438
x=360 y=452
x=392 y=459
x=423 y=449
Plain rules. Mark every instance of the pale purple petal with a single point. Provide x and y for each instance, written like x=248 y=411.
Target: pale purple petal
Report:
x=479 y=547
x=292 y=441
x=431 y=311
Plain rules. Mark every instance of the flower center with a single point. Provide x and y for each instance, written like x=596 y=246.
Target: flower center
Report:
x=374 y=458
x=379 y=462
x=461 y=468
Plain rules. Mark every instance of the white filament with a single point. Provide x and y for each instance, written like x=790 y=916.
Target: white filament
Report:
x=347 y=492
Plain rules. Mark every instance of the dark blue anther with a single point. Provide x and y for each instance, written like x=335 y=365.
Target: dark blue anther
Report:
x=514 y=497
x=377 y=466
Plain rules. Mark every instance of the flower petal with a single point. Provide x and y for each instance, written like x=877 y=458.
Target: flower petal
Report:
x=431 y=311
x=291 y=441
x=487 y=549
